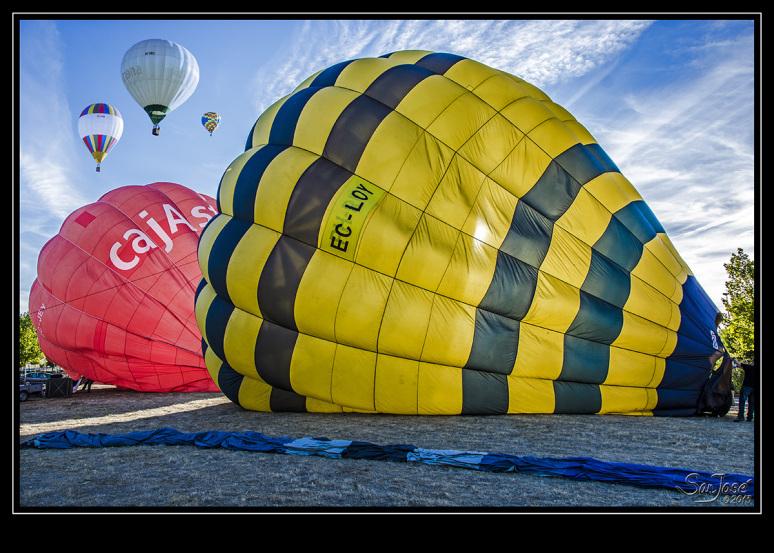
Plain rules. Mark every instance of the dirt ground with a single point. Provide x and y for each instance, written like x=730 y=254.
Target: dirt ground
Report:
x=184 y=476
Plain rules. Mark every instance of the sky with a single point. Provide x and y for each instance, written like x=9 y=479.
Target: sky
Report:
x=671 y=102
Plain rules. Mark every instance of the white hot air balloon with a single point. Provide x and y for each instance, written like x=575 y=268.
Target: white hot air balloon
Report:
x=100 y=126
x=160 y=75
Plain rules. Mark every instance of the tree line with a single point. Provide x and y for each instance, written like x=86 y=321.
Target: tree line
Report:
x=737 y=329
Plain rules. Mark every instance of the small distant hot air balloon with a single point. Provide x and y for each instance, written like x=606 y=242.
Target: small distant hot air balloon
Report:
x=210 y=120
x=160 y=75
x=100 y=127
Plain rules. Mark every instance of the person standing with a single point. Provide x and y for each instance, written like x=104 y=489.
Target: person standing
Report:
x=748 y=393
x=87 y=385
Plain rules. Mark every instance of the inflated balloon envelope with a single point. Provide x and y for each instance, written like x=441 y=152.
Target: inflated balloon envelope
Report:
x=160 y=75
x=100 y=127
x=422 y=234
x=113 y=298
x=210 y=121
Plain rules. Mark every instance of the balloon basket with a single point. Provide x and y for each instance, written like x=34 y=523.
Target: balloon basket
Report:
x=98 y=170
x=155 y=131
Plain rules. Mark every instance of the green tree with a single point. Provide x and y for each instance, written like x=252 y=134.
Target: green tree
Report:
x=29 y=349
x=738 y=327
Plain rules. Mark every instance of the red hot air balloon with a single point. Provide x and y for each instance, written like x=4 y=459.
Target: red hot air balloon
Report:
x=114 y=296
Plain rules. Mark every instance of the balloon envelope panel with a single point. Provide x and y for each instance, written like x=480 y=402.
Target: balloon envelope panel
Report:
x=113 y=298
x=423 y=234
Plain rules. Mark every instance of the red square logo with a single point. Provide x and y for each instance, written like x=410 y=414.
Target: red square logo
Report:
x=85 y=218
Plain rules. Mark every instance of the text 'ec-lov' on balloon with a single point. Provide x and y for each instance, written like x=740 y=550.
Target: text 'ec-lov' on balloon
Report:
x=420 y=233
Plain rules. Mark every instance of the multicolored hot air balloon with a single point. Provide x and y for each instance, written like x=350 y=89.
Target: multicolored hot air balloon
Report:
x=423 y=234
x=160 y=75
x=100 y=127
x=210 y=121
x=113 y=298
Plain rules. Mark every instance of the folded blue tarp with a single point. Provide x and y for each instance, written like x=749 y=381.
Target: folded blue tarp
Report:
x=578 y=468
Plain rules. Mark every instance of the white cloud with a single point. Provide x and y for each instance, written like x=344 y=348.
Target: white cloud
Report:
x=48 y=178
x=543 y=52
x=47 y=142
x=688 y=148
x=46 y=149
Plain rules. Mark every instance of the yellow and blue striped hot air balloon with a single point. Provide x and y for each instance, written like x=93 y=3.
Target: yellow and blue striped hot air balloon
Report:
x=210 y=121
x=100 y=126
x=423 y=234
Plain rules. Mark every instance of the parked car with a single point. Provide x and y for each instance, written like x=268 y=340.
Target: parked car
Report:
x=31 y=387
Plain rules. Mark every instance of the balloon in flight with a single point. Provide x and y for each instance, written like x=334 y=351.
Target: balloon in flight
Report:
x=210 y=121
x=160 y=75
x=100 y=127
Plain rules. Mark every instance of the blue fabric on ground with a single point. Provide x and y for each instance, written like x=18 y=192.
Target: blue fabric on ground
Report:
x=320 y=447
x=374 y=452
x=578 y=468
x=464 y=459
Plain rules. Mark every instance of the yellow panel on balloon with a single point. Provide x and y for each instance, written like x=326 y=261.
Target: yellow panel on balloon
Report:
x=457 y=192
x=255 y=395
x=620 y=399
x=470 y=271
x=501 y=90
x=352 y=384
x=440 y=389
x=522 y=168
x=405 y=321
x=428 y=99
x=470 y=73
x=540 y=353
x=242 y=278
x=387 y=152
x=319 y=294
x=530 y=395
x=361 y=308
x=386 y=234
x=461 y=120
x=491 y=215
x=450 y=333
x=422 y=172
x=239 y=341
x=396 y=385
x=428 y=253
x=311 y=367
